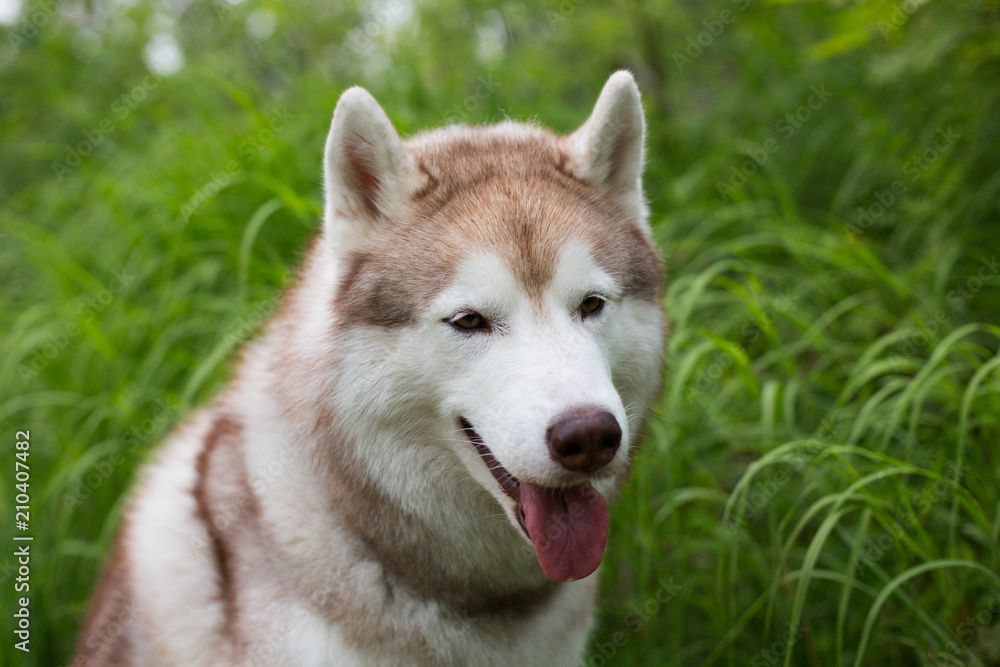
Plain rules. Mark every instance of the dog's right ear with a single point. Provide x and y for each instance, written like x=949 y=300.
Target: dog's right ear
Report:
x=368 y=175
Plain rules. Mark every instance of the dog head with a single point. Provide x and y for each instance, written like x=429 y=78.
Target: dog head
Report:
x=498 y=300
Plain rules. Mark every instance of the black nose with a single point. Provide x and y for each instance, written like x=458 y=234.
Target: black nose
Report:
x=584 y=439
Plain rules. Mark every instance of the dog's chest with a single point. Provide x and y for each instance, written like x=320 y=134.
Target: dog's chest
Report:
x=425 y=636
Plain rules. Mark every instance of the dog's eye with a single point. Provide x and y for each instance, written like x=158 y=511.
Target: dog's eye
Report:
x=469 y=322
x=592 y=305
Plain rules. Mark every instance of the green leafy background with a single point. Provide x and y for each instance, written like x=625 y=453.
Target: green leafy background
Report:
x=819 y=485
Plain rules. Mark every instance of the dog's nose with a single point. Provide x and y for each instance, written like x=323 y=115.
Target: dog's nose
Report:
x=584 y=439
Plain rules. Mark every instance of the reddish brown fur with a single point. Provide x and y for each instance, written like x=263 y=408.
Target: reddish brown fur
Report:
x=106 y=637
x=517 y=197
x=224 y=431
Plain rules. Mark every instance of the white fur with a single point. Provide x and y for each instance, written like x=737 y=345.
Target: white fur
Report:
x=362 y=140
x=609 y=146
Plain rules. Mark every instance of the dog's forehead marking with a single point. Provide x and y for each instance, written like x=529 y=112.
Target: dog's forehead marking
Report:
x=529 y=220
x=485 y=279
x=511 y=193
x=576 y=269
x=482 y=277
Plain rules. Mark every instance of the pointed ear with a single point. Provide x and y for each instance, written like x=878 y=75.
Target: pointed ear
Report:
x=368 y=174
x=608 y=148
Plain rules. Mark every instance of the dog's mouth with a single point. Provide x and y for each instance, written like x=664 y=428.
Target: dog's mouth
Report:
x=567 y=526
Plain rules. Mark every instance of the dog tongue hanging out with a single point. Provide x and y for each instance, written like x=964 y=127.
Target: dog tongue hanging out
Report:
x=413 y=463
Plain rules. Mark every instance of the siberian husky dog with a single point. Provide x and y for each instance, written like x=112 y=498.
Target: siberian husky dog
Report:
x=412 y=463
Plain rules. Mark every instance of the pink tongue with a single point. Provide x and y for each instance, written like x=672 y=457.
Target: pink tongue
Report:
x=568 y=528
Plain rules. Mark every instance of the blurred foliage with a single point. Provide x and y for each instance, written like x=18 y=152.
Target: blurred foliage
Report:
x=824 y=180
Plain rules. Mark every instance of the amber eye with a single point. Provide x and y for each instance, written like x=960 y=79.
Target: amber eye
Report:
x=591 y=305
x=469 y=321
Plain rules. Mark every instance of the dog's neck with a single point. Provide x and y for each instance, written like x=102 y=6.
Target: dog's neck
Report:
x=431 y=528
x=395 y=498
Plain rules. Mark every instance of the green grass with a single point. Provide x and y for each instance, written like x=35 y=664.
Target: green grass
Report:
x=852 y=520
x=821 y=482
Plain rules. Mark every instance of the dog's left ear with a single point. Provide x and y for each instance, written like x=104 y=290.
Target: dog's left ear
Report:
x=608 y=148
x=368 y=173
